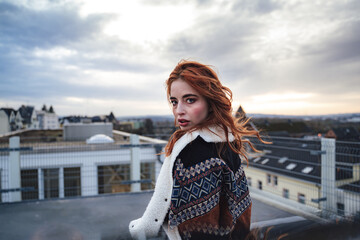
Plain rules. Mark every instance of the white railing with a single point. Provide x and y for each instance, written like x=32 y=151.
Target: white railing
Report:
x=328 y=188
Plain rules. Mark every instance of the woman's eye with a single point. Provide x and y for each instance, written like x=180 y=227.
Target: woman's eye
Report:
x=173 y=102
x=190 y=100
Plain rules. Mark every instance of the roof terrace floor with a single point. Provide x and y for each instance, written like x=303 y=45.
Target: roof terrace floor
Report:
x=107 y=217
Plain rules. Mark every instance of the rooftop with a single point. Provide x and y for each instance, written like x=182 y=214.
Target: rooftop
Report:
x=302 y=158
x=108 y=216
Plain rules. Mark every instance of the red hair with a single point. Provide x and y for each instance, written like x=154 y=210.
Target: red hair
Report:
x=206 y=82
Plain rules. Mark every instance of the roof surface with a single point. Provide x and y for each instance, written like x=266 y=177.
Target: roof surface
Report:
x=352 y=187
x=102 y=217
x=301 y=159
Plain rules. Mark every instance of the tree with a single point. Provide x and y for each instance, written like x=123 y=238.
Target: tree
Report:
x=44 y=108
x=149 y=127
x=51 y=110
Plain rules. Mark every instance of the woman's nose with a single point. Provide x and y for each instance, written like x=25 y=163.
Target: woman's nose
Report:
x=180 y=109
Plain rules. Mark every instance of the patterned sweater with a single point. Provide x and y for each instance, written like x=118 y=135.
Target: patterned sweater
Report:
x=199 y=194
x=210 y=197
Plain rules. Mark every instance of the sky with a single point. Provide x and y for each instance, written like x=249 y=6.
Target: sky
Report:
x=94 y=57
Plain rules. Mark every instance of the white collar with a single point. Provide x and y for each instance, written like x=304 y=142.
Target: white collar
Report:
x=213 y=134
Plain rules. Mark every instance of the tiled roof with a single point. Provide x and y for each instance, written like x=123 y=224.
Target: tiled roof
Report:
x=26 y=112
x=297 y=159
x=346 y=133
x=352 y=187
x=8 y=111
x=348 y=152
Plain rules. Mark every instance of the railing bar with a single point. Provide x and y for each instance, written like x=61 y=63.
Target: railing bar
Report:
x=288 y=138
x=348 y=155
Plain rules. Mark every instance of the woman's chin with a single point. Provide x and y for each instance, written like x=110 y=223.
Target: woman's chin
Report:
x=185 y=127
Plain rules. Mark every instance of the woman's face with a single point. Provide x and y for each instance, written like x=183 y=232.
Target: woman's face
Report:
x=189 y=107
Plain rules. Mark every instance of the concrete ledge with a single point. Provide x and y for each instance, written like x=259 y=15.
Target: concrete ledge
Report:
x=287 y=205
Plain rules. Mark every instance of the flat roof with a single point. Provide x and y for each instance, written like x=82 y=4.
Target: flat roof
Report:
x=100 y=217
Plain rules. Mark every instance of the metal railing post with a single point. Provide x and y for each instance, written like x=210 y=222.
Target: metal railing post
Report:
x=14 y=169
x=41 y=184
x=89 y=183
x=135 y=163
x=328 y=178
x=61 y=183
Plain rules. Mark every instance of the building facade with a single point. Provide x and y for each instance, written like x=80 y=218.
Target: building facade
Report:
x=60 y=171
x=47 y=120
x=318 y=173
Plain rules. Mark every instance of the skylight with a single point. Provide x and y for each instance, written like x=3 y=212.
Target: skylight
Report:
x=265 y=161
x=99 y=139
x=307 y=170
x=291 y=166
x=283 y=159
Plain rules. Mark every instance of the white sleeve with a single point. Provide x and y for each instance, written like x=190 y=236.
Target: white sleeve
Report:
x=151 y=221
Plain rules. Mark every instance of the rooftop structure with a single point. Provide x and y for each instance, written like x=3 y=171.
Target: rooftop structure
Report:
x=91 y=189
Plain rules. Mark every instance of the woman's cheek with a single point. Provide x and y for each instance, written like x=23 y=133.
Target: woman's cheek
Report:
x=200 y=112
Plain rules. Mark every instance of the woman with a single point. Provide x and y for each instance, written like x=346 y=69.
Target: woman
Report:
x=201 y=191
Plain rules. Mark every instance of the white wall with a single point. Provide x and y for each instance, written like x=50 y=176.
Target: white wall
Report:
x=47 y=120
x=86 y=160
x=351 y=202
x=4 y=122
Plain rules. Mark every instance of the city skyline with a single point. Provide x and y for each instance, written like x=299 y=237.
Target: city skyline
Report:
x=91 y=58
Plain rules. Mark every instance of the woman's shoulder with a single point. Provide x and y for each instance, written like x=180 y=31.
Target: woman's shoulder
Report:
x=200 y=150
x=197 y=151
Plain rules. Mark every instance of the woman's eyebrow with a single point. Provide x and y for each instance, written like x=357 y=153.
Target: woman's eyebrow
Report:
x=190 y=95
x=185 y=96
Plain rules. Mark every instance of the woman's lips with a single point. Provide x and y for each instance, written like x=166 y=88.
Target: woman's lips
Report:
x=183 y=122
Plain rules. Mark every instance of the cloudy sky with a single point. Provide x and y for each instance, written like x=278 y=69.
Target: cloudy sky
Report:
x=91 y=57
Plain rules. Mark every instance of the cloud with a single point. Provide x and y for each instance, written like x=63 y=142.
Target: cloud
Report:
x=255 y=6
x=261 y=47
x=341 y=46
x=46 y=28
x=44 y=52
x=60 y=51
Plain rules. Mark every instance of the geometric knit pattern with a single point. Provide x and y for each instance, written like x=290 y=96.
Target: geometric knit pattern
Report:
x=207 y=229
x=197 y=190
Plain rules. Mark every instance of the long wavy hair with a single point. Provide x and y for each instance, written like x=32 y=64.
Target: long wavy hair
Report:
x=206 y=82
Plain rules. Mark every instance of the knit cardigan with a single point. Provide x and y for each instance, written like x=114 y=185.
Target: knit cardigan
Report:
x=164 y=205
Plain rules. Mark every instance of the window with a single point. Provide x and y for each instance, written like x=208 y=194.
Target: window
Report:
x=265 y=161
x=286 y=193
x=268 y=177
x=111 y=177
x=291 y=166
x=307 y=170
x=72 y=182
x=260 y=185
x=51 y=183
x=340 y=209
x=283 y=160
x=301 y=198
x=147 y=173
x=29 y=180
x=275 y=180
x=249 y=181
